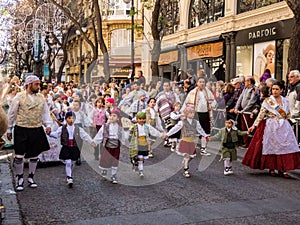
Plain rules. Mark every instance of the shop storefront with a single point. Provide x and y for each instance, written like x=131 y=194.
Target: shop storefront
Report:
x=207 y=57
x=168 y=64
x=263 y=47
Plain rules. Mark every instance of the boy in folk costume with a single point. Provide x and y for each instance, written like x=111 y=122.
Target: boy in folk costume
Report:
x=139 y=137
x=229 y=137
x=189 y=128
x=111 y=135
x=69 y=135
x=152 y=118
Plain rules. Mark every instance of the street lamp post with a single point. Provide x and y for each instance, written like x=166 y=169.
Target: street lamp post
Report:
x=132 y=12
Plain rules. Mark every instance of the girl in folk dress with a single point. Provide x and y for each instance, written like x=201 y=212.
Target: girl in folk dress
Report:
x=189 y=128
x=99 y=115
x=175 y=118
x=274 y=145
x=112 y=135
x=69 y=135
x=99 y=119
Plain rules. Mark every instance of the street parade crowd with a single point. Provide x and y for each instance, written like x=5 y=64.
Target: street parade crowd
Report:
x=48 y=122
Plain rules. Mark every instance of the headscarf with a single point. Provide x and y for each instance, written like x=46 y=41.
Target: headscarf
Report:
x=111 y=100
x=141 y=115
x=30 y=79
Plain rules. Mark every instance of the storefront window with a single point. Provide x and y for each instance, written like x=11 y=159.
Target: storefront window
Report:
x=244 y=55
x=205 y=11
x=248 y=5
x=282 y=49
x=285 y=66
x=264 y=58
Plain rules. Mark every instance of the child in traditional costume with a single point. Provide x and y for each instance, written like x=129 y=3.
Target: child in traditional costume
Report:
x=111 y=135
x=81 y=120
x=139 y=137
x=175 y=118
x=99 y=119
x=189 y=129
x=229 y=138
x=70 y=134
x=152 y=118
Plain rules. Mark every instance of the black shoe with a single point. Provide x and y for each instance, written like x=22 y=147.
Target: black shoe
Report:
x=114 y=179
x=31 y=182
x=70 y=182
x=20 y=183
x=78 y=162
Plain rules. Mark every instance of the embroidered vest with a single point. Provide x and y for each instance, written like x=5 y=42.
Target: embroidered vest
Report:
x=174 y=122
x=189 y=130
x=109 y=142
x=230 y=139
x=149 y=120
x=30 y=113
x=65 y=136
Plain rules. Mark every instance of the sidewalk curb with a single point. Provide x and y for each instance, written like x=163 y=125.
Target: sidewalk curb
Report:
x=9 y=196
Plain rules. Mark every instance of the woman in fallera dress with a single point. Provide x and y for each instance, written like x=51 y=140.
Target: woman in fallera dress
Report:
x=274 y=145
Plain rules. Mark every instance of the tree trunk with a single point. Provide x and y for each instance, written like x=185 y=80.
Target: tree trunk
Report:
x=62 y=65
x=101 y=41
x=294 y=50
x=155 y=53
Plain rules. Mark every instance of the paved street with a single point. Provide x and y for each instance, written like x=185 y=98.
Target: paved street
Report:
x=208 y=197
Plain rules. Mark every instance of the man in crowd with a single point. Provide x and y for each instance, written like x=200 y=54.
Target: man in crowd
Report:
x=29 y=111
x=294 y=93
x=245 y=105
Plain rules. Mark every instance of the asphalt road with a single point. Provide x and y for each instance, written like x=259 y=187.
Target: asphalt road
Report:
x=164 y=196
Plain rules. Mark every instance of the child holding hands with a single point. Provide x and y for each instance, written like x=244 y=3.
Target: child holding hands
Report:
x=229 y=138
x=189 y=128
x=70 y=134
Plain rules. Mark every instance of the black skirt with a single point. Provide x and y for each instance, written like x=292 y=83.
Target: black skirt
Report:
x=30 y=141
x=177 y=135
x=72 y=153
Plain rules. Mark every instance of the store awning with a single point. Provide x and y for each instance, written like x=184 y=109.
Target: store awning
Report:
x=208 y=50
x=168 y=57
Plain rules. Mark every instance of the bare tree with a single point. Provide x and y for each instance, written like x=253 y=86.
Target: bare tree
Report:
x=96 y=21
x=294 y=50
x=165 y=21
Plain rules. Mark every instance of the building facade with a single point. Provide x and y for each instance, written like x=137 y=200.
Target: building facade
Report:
x=227 y=38
x=116 y=30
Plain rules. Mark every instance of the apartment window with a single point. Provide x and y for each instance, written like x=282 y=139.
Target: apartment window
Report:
x=170 y=16
x=120 y=42
x=248 y=5
x=115 y=8
x=205 y=11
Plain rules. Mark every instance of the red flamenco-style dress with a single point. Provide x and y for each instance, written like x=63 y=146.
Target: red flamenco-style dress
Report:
x=273 y=145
